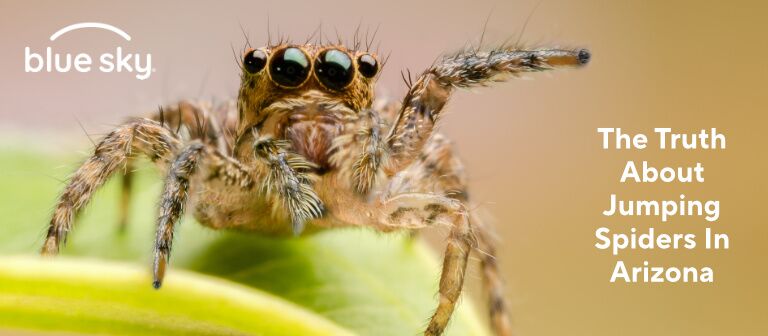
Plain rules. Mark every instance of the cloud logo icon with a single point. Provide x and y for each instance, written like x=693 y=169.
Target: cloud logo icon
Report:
x=97 y=25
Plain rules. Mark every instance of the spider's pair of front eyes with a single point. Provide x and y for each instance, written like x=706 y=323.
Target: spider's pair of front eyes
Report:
x=290 y=67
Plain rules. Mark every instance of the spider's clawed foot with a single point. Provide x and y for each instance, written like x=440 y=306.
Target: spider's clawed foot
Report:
x=584 y=56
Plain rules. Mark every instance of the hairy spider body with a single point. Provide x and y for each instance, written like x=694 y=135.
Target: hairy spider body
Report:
x=304 y=149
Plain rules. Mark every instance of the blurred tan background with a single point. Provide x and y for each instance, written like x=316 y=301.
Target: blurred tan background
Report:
x=531 y=147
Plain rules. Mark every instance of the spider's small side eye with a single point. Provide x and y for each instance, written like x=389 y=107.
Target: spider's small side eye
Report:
x=289 y=67
x=367 y=65
x=254 y=61
x=334 y=69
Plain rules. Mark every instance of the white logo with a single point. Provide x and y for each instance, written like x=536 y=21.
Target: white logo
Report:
x=117 y=61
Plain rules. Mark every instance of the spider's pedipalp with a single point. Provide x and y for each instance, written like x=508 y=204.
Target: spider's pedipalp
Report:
x=288 y=181
x=372 y=153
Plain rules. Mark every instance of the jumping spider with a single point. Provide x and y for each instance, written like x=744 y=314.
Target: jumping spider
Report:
x=309 y=150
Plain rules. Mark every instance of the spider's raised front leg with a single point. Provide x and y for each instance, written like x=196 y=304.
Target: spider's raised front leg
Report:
x=141 y=136
x=287 y=179
x=423 y=104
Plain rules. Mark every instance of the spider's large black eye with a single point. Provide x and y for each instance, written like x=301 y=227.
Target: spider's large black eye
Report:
x=289 y=67
x=334 y=69
x=367 y=65
x=254 y=61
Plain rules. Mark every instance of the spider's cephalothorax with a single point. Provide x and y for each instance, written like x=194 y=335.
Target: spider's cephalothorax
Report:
x=305 y=147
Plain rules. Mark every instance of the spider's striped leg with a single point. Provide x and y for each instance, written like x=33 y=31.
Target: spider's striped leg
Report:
x=408 y=204
x=423 y=104
x=199 y=121
x=439 y=171
x=405 y=144
x=418 y=210
x=461 y=241
x=195 y=121
x=195 y=157
x=492 y=281
x=137 y=137
x=174 y=198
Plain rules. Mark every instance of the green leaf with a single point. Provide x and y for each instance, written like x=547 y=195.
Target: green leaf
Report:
x=353 y=279
x=97 y=297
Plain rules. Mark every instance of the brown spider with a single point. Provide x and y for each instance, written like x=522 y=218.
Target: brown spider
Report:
x=309 y=149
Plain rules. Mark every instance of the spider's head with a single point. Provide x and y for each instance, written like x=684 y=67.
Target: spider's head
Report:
x=302 y=93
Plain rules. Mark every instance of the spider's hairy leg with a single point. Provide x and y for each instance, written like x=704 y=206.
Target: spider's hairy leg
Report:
x=439 y=170
x=199 y=119
x=195 y=158
x=418 y=210
x=423 y=104
x=174 y=198
x=287 y=180
x=141 y=136
x=461 y=241
x=198 y=122
x=436 y=170
x=283 y=176
x=492 y=281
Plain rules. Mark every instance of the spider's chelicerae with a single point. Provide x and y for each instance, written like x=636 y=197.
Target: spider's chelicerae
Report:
x=305 y=148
